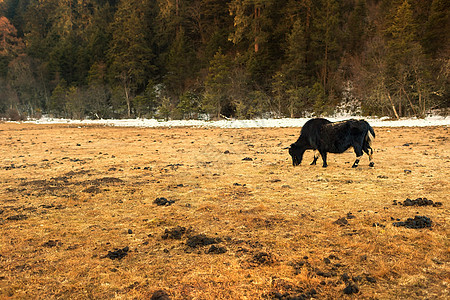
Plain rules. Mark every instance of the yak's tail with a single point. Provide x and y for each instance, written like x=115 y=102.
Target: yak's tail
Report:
x=370 y=136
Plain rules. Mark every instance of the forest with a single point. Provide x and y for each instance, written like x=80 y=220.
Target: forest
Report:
x=182 y=59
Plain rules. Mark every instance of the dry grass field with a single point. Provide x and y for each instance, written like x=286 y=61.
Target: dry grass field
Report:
x=78 y=217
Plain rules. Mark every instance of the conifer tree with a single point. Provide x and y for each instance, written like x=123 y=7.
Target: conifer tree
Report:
x=437 y=33
x=357 y=27
x=403 y=58
x=130 y=54
x=217 y=84
x=324 y=37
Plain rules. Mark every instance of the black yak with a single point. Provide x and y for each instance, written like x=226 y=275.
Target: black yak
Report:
x=333 y=137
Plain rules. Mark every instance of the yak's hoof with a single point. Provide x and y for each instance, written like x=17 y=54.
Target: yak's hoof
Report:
x=371 y=164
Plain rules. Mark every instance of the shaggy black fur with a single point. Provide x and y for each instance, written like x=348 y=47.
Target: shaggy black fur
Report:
x=328 y=137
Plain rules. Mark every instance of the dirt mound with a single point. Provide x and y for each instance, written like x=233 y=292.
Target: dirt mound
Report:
x=216 y=250
x=418 y=202
x=117 y=254
x=262 y=258
x=351 y=288
x=92 y=190
x=201 y=240
x=416 y=223
x=17 y=218
x=175 y=233
x=341 y=221
x=52 y=243
x=161 y=201
x=160 y=295
x=300 y=295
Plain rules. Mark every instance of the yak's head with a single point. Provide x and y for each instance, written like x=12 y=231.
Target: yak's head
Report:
x=296 y=151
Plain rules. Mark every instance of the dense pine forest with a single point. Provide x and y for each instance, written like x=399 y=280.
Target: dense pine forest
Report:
x=223 y=58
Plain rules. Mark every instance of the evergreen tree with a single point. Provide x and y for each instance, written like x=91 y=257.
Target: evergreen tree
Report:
x=253 y=37
x=288 y=84
x=190 y=105
x=210 y=24
x=295 y=67
x=180 y=66
x=98 y=93
x=39 y=34
x=130 y=53
x=403 y=58
x=357 y=27
x=57 y=102
x=324 y=35
x=437 y=34
x=217 y=84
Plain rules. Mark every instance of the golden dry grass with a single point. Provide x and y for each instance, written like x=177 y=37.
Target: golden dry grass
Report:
x=70 y=194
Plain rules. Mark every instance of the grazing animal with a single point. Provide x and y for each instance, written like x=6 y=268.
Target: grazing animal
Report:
x=324 y=137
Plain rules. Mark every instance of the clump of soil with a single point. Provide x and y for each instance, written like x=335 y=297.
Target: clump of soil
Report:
x=92 y=190
x=262 y=258
x=341 y=221
x=300 y=295
x=117 y=254
x=49 y=206
x=17 y=218
x=161 y=201
x=351 y=288
x=325 y=274
x=52 y=243
x=350 y=216
x=418 y=202
x=416 y=223
x=298 y=265
x=201 y=240
x=216 y=250
x=175 y=233
x=160 y=295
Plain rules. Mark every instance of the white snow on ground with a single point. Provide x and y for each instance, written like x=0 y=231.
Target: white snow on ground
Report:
x=256 y=123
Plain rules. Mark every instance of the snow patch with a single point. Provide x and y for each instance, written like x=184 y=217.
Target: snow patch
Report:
x=256 y=123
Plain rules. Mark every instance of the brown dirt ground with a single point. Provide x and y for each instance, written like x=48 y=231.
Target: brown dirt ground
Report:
x=70 y=195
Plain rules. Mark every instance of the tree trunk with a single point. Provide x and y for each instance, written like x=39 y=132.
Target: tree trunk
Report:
x=177 y=13
x=393 y=106
x=325 y=67
x=410 y=102
x=127 y=98
x=257 y=15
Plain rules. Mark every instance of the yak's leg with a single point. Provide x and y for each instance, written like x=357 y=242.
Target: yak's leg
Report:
x=369 y=152
x=356 y=163
x=316 y=156
x=324 y=158
x=359 y=154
